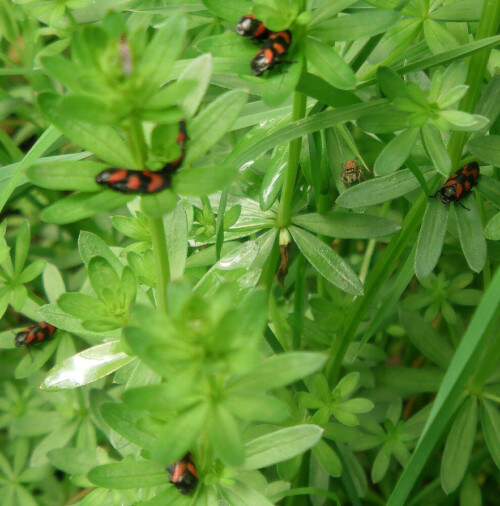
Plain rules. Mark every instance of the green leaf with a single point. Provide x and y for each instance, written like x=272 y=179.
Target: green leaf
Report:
x=409 y=380
x=66 y=175
x=435 y=148
x=438 y=38
x=470 y=493
x=452 y=96
x=490 y=424
x=427 y=340
x=103 y=141
x=32 y=271
x=53 y=284
x=451 y=388
x=385 y=122
x=56 y=439
x=278 y=371
x=230 y=10
x=176 y=231
x=86 y=367
x=73 y=460
x=211 y=124
x=381 y=189
x=82 y=306
x=159 y=204
x=329 y=65
x=463 y=10
x=199 y=181
x=471 y=234
x=95 y=111
x=390 y=83
x=22 y=247
x=262 y=408
x=490 y=188
x=327 y=458
x=199 y=70
x=431 y=237
x=33 y=362
x=8 y=24
x=380 y=464
x=328 y=263
x=179 y=434
x=458 y=446
x=396 y=152
x=78 y=206
x=129 y=475
x=355 y=26
x=273 y=178
x=280 y=445
x=280 y=85
x=123 y=420
x=90 y=246
x=486 y=149
x=225 y=436
x=346 y=225
x=276 y=14
x=492 y=230
x=161 y=53
x=103 y=278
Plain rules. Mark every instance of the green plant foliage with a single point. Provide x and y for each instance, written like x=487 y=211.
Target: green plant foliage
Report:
x=259 y=292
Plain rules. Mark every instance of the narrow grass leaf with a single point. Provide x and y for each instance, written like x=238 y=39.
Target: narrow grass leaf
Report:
x=381 y=189
x=465 y=359
x=327 y=262
x=280 y=445
x=471 y=234
x=396 y=152
x=346 y=225
x=129 y=475
x=458 y=446
x=431 y=237
x=436 y=149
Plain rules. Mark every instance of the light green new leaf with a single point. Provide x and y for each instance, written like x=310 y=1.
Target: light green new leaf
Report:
x=199 y=70
x=327 y=458
x=438 y=38
x=431 y=237
x=462 y=10
x=176 y=231
x=273 y=178
x=280 y=445
x=396 y=152
x=230 y=10
x=213 y=122
x=329 y=65
x=129 y=475
x=327 y=262
x=458 y=446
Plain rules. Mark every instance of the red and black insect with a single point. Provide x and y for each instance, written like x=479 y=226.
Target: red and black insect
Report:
x=34 y=334
x=460 y=184
x=271 y=53
x=248 y=26
x=183 y=475
x=144 y=181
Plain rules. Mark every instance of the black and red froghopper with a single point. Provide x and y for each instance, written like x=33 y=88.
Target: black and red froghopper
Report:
x=183 y=475
x=459 y=184
x=34 y=334
x=271 y=52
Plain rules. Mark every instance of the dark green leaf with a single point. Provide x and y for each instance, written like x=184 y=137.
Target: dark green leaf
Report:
x=435 y=148
x=471 y=234
x=490 y=423
x=486 y=149
x=328 y=263
x=409 y=380
x=346 y=225
x=458 y=446
x=396 y=152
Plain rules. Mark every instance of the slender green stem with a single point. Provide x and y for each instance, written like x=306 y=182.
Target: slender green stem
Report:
x=299 y=112
x=161 y=261
x=35 y=298
x=137 y=144
x=488 y=25
x=298 y=302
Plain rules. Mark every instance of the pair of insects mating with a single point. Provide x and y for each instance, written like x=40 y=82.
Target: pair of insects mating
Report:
x=275 y=46
x=144 y=181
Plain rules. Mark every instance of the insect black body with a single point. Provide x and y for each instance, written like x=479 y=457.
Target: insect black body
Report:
x=144 y=181
x=34 y=334
x=250 y=27
x=183 y=475
x=271 y=52
x=460 y=184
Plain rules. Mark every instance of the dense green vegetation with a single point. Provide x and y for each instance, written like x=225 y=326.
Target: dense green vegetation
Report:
x=294 y=310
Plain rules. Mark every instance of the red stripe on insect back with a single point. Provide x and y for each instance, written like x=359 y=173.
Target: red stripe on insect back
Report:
x=34 y=334
x=118 y=175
